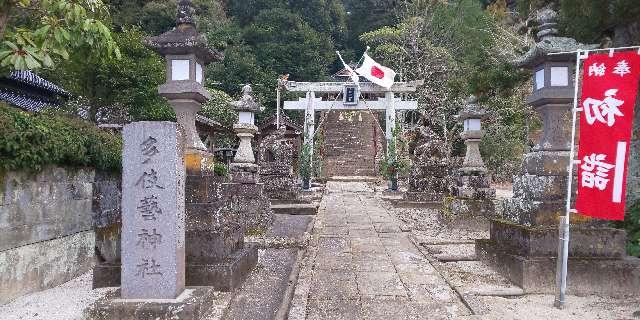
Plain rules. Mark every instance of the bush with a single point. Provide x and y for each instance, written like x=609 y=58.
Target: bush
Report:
x=32 y=141
x=632 y=224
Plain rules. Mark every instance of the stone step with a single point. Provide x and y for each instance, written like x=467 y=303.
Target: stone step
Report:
x=354 y=178
x=295 y=208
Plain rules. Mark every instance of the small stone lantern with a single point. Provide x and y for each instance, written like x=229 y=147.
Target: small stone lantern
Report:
x=471 y=183
x=471 y=116
x=186 y=54
x=244 y=161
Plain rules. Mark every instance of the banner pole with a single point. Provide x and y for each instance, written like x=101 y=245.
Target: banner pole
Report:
x=563 y=243
x=278 y=106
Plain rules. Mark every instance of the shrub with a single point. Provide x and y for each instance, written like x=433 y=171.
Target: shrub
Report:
x=632 y=224
x=32 y=141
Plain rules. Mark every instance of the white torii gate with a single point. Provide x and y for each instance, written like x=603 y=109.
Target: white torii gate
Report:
x=311 y=104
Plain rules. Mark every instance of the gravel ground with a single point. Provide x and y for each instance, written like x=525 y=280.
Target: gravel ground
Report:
x=473 y=276
x=539 y=307
x=64 y=302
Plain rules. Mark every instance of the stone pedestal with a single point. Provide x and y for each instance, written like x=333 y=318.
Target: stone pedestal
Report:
x=194 y=303
x=215 y=252
x=247 y=195
x=523 y=242
x=527 y=256
x=473 y=194
x=276 y=156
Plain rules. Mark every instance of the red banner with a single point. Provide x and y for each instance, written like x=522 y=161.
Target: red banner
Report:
x=609 y=91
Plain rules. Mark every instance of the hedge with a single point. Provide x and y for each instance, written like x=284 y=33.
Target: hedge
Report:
x=32 y=141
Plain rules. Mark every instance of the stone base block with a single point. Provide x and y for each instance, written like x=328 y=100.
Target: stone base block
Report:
x=601 y=242
x=295 y=208
x=540 y=188
x=193 y=303
x=546 y=163
x=106 y=275
x=473 y=193
x=226 y=275
x=613 y=277
x=471 y=207
x=424 y=196
x=535 y=213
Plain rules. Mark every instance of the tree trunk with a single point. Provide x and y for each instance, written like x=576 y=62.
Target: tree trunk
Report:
x=4 y=18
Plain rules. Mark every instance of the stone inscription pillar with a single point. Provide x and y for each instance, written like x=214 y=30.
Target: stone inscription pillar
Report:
x=153 y=220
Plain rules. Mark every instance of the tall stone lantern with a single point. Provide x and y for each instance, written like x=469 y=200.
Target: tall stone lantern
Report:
x=471 y=183
x=523 y=244
x=186 y=55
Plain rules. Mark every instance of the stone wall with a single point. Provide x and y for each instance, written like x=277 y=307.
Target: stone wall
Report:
x=353 y=143
x=46 y=235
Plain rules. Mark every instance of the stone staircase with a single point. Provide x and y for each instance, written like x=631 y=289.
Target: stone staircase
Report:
x=352 y=139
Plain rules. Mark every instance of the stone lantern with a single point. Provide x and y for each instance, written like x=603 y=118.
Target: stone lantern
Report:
x=471 y=183
x=523 y=244
x=471 y=116
x=243 y=166
x=553 y=82
x=186 y=54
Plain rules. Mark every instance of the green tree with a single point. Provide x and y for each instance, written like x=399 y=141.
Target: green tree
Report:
x=458 y=50
x=35 y=33
x=283 y=41
x=117 y=90
x=156 y=17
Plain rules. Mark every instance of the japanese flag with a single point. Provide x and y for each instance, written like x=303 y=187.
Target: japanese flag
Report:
x=376 y=72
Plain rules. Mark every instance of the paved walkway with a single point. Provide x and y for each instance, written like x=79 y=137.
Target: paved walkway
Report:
x=362 y=266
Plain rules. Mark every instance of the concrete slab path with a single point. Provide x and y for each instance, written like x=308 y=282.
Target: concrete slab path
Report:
x=362 y=266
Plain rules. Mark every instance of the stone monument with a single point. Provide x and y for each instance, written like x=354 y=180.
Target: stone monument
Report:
x=523 y=241
x=153 y=230
x=429 y=179
x=471 y=183
x=152 y=211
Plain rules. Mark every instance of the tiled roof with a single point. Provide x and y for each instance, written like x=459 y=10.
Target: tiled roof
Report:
x=25 y=102
x=29 y=78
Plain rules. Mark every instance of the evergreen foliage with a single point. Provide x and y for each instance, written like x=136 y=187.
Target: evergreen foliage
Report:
x=116 y=90
x=32 y=141
x=35 y=33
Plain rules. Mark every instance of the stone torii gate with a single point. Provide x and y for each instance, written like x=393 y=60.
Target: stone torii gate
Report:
x=350 y=101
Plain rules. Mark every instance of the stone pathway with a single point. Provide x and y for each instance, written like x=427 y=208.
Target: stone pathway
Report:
x=362 y=266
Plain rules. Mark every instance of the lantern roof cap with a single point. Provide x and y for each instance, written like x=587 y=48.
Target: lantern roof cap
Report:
x=550 y=42
x=247 y=102
x=472 y=109
x=184 y=38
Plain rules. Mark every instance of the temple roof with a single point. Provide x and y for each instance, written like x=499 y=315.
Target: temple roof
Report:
x=33 y=80
x=30 y=92
x=270 y=124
